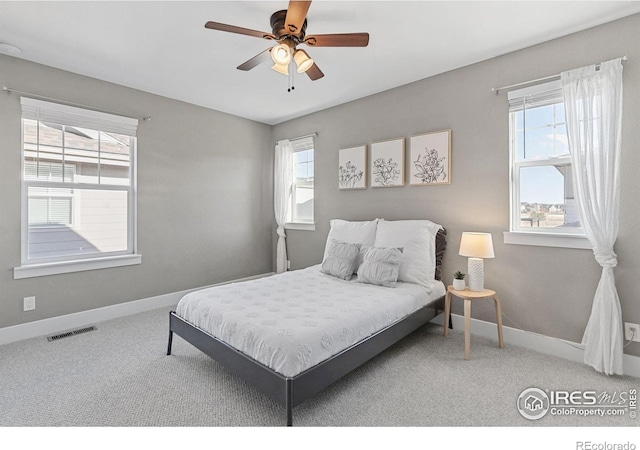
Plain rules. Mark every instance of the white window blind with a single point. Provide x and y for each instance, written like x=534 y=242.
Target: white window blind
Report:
x=535 y=96
x=77 y=117
x=302 y=144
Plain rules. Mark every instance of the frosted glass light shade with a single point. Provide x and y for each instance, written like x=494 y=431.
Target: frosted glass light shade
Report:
x=281 y=54
x=303 y=60
x=282 y=68
x=476 y=245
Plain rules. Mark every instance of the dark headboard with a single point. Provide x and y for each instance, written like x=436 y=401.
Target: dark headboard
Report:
x=441 y=246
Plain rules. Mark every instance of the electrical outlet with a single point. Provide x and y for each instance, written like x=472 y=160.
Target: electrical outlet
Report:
x=288 y=264
x=29 y=303
x=632 y=332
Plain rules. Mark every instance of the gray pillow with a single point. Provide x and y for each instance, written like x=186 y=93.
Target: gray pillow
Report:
x=341 y=260
x=380 y=266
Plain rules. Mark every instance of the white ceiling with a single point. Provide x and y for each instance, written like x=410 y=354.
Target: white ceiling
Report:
x=163 y=47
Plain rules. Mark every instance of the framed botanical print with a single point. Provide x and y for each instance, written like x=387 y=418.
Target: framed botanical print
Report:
x=430 y=158
x=387 y=163
x=352 y=168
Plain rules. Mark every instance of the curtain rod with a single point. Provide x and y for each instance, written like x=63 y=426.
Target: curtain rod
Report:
x=538 y=80
x=42 y=97
x=301 y=137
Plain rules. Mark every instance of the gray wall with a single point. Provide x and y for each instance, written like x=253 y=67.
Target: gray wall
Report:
x=204 y=197
x=543 y=290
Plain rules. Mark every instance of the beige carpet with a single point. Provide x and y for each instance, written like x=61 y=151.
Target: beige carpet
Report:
x=120 y=376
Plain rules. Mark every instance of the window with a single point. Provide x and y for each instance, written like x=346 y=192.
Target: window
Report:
x=78 y=189
x=543 y=207
x=302 y=190
x=49 y=206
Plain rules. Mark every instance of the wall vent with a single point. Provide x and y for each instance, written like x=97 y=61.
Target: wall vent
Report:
x=70 y=333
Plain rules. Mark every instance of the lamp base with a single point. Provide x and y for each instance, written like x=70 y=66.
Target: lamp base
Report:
x=475 y=269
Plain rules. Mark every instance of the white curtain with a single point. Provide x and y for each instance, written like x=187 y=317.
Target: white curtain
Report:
x=282 y=199
x=593 y=105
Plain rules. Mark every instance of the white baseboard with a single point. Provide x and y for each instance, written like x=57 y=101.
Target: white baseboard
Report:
x=67 y=322
x=512 y=336
x=572 y=351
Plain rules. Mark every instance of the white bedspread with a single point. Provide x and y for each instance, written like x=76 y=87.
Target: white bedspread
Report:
x=292 y=321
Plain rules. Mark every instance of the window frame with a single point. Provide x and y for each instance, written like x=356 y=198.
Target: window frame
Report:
x=542 y=94
x=32 y=267
x=293 y=222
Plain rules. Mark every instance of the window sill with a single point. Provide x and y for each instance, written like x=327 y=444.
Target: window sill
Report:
x=300 y=226
x=41 y=270
x=547 y=240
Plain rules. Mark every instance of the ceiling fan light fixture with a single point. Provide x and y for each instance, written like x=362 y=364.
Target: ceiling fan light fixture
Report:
x=288 y=30
x=303 y=61
x=282 y=68
x=281 y=54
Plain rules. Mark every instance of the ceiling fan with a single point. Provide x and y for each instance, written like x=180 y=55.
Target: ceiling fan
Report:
x=288 y=29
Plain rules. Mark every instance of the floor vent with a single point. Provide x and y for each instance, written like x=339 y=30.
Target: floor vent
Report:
x=70 y=333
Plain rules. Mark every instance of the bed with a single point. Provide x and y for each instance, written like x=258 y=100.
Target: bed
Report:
x=293 y=334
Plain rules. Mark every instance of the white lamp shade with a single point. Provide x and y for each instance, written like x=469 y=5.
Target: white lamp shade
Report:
x=476 y=245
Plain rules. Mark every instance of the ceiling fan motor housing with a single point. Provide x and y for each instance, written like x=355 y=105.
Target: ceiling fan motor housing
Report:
x=281 y=31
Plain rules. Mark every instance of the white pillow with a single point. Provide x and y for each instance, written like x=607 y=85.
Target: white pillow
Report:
x=363 y=233
x=418 y=239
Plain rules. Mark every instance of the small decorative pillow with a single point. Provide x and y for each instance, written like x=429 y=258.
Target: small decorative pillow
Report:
x=381 y=266
x=341 y=260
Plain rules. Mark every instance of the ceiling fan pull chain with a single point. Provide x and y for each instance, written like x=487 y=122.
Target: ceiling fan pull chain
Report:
x=291 y=75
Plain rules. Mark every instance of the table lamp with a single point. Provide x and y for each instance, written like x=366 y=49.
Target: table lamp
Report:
x=476 y=246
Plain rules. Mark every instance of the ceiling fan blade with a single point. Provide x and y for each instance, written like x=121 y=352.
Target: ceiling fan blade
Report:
x=314 y=72
x=338 y=40
x=296 y=14
x=238 y=30
x=258 y=59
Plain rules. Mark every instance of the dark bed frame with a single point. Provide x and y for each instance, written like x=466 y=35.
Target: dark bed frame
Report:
x=291 y=391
